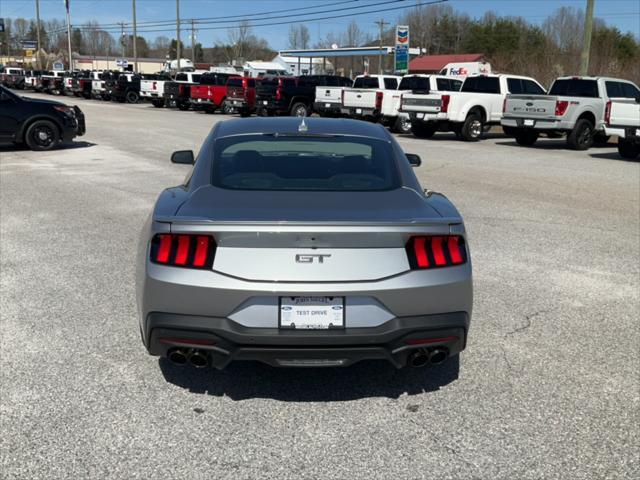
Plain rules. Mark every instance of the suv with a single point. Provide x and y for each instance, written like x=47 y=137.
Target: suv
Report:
x=40 y=124
x=575 y=107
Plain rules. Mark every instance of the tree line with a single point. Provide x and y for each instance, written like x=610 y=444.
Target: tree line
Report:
x=511 y=44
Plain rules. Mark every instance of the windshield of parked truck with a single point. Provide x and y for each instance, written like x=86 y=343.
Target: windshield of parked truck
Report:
x=575 y=87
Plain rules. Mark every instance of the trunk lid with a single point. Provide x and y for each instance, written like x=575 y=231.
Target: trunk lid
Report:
x=309 y=236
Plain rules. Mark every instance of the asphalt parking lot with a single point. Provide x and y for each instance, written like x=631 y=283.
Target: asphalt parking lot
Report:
x=547 y=388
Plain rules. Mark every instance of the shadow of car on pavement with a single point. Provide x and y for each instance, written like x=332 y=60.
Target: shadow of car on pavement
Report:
x=248 y=380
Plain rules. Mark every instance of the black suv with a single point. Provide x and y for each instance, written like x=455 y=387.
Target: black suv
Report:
x=40 y=124
x=293 y=96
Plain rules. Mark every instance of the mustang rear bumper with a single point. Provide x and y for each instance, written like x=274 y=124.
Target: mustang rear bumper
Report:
x=223 y=340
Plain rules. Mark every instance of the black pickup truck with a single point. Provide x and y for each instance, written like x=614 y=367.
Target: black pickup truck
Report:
x=293 y=96
x=124 y=88
x=178 y=93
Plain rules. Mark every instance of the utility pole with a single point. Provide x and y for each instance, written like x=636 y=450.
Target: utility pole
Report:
x=381 y=23
x=69 y=35
x=38 y=59
x=135 y=39
x=122 y=39
x=193 y=43
x=586 y=41
x=178 y=52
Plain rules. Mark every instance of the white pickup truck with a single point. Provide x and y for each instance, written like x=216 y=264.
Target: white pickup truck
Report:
x=152 y=89
x=575 y=106
x=468 y=112
x=622 y=118
x=328 y=99
x=375 y=98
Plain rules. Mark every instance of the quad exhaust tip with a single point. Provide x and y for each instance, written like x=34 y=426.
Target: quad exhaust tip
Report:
x=422 y=357
x=181 y=357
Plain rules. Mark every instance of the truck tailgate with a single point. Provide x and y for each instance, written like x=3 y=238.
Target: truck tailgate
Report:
x=413 y=102
x=330 y=95
x=359 y=98
x=530 y=106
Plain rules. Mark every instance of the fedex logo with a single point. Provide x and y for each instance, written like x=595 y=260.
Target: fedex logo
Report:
x=458 y=71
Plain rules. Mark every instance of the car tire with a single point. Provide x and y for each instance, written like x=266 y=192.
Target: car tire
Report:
x=581 y=137
x=299 y=109
x=132 y=96
x=423 y=130
x=182 y=106
x=225 y=109
x=628 y=149
x=402 y=125
x=472 y=128
x=42 y=135
x=526 y=138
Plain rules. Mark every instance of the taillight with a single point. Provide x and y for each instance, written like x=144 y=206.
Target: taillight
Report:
x=607 y=113
x=504 y=105
x=342 y=97
x=180 y=89
x=279 y=92
x=379 y=96
x=561 y=107
x=154 y=85
x=189 y=251
x=436 y=251
x=445 y=103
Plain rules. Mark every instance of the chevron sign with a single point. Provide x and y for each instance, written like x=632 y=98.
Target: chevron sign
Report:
x=402 y=49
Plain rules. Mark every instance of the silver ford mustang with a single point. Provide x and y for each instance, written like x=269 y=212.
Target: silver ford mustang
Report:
x=303 y=243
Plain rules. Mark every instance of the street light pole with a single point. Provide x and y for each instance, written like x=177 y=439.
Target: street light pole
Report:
x=178 y=52
x=135 y=39
x=38 y=59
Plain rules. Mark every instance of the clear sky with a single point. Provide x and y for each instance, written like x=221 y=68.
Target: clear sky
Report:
x=625 y=14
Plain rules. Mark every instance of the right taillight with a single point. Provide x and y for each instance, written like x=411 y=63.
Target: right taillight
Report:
x=445 y=103
x=436 y=251
x=187 y=251
x=342 y=97
x=504 y=105
x=561 y=107
x=379 y=97
x=607 y=113
x=181 y=90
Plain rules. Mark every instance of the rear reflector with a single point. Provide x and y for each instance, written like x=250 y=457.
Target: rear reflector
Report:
x=189 y=251
x=436 y=252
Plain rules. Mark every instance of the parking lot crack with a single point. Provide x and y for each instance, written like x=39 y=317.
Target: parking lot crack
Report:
x=527 y=323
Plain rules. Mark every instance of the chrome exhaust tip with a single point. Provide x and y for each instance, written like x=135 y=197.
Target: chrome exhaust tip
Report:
x=177 y=356
x=418 y=359
x=199 y=359
x=438 y=356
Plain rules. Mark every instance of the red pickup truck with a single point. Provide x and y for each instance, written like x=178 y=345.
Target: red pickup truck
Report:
x=241 y=95
x=211 y=93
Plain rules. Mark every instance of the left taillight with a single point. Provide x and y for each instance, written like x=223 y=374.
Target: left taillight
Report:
x=436 y=251
x=379 y=97
x=607 y=113
x=187 y=251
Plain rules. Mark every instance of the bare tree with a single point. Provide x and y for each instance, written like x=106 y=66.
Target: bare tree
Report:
x=298 y=37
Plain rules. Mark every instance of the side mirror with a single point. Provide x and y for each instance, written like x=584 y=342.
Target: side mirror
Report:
x=414 y=160
x=183 y=157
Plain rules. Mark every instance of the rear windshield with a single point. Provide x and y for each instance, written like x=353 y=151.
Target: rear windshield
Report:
x=575 y=87
x=366 y=82
x=414 y=83
x=307 y=163
x=481 y=84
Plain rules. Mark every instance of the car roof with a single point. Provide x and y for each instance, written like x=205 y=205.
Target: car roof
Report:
x=291 y=125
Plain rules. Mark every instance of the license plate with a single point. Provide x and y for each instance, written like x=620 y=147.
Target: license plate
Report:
x=529 y=123
x=235 y=102
x=420 y=116
x=358 y=111
x=327 y=105
x=312 y=313
x=264 y=102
